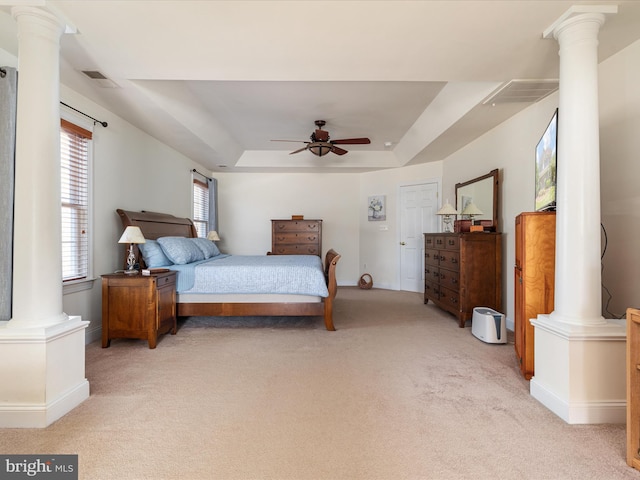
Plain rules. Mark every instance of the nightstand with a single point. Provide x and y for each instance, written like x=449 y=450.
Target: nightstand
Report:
x=138 y=306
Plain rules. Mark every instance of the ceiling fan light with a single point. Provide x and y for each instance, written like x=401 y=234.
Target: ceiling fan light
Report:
x=320 y=148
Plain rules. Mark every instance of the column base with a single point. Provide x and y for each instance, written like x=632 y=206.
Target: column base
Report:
x=580 y=370
x=43 y=374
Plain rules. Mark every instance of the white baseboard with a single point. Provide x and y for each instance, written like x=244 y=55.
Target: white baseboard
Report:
x=43 y=415
x=92 y=334
x=595 y=412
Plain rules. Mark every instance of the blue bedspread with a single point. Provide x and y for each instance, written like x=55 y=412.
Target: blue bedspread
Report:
x=283 y=274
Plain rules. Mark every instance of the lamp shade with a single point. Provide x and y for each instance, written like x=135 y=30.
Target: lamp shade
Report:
x=471 y=209
x=447 y=209
x=213 y=236
x=132 y=234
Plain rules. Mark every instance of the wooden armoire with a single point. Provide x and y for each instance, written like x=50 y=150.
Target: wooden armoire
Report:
x=534 y=279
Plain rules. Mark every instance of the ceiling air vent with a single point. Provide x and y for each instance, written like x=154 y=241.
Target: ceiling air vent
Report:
x=100 y=79
x=522 y=91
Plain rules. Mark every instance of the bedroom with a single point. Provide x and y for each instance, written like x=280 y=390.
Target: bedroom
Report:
x=135 y=171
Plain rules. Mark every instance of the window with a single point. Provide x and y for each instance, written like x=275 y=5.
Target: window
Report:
x=201 y=207
x=75 y=148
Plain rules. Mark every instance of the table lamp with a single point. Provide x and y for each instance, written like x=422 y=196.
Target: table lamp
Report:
x=447 y=210
x=213 y=236
x=131 y=235
x=471 y=210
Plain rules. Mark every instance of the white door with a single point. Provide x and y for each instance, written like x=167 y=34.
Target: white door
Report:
x=418 y=205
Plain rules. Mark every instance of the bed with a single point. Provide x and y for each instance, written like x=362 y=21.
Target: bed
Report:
x=194 y=300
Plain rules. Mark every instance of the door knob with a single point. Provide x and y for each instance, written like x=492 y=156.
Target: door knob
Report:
x=402 y=243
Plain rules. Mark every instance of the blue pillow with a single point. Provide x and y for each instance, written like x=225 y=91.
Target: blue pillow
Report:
x=180 y=250
x=209 y=249
x=153 y=255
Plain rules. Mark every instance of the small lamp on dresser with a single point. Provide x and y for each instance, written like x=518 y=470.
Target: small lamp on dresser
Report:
x=447 y=211
x=213 y=236
x=131 y=235
x=472 y=210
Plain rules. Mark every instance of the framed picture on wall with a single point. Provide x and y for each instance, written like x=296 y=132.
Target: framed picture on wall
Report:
x=377 y=210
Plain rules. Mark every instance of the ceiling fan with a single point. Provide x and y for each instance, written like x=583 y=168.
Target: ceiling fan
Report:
x=320 y=144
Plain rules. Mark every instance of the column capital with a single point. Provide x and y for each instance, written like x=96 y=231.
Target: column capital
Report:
x=578 y=14
x=46 y=17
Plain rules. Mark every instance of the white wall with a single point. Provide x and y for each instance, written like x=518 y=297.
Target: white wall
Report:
x=132 y=171
x=380 y=249
x=247 y=202
x=619 y=77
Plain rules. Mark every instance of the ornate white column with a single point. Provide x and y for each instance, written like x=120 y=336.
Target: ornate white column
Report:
x=41 y=348
x=579 y=356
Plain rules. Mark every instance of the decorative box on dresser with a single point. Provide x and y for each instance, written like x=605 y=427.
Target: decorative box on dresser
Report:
x=296 y=237
x=138 y=306
x=463 y=271
x=534 y=280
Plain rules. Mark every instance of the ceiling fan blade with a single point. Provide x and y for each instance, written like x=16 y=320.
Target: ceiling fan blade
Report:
x=351 y=141
x=338 y=150
x=299 y=150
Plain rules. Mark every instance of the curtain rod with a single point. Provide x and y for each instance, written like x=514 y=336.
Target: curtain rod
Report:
x=104 y=124
x=202 y=174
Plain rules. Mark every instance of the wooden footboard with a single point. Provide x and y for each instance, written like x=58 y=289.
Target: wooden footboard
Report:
x=324 y=308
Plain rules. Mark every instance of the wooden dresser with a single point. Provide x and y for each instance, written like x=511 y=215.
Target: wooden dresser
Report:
x=296 y=237
x=534 y=280
x=463 y=271
x=138 y=306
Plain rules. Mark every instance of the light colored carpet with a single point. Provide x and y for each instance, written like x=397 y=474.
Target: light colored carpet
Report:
x=397 y=392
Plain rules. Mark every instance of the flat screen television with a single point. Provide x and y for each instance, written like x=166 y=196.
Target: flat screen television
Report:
x=546 y=162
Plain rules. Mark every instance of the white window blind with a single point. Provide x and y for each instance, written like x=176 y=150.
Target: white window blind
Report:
x=201 y=207
x=74 y=156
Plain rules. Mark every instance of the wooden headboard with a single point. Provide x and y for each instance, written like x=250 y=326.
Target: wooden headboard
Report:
x=155 y=225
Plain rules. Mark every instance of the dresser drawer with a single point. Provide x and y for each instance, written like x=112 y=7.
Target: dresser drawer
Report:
x=162 y=281
x=449 y=279
x=450 y=298
x=431 y=291
x=431 y=274
x=431 y=257
x=296 y=249
x=438 y=241
x=450 y=259
x=296 y=226
x=452 y=243
x=429 y=241
x=289 y=238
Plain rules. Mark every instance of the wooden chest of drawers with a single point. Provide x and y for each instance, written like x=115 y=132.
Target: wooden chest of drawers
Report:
x=296 y=237
x=138 y=306
x=463 y=271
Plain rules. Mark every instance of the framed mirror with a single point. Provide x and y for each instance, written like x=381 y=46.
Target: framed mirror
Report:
x=483 y=193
